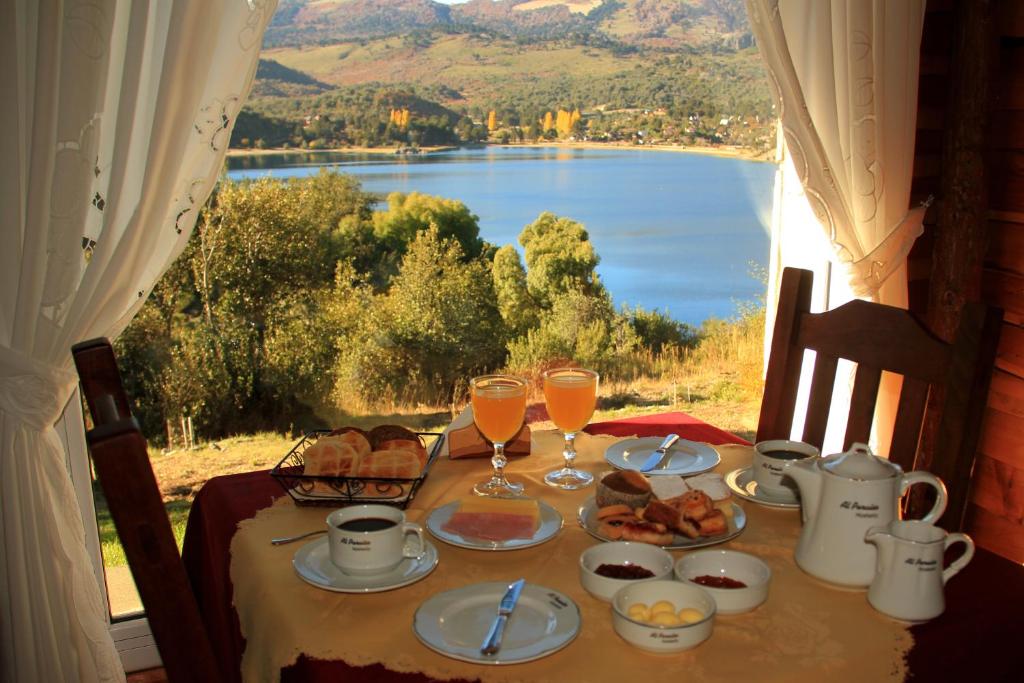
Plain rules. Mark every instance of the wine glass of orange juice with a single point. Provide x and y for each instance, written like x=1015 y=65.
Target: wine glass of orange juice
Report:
x=570 y=394
x=499 y=406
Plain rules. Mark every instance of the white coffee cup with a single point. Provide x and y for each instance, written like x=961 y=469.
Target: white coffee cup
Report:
x=769 y=459
x=371 y=539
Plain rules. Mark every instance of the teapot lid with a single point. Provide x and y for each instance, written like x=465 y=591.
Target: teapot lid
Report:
x=860 y=463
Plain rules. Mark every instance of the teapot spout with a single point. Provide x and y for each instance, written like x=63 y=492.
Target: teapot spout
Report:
x=808 y=479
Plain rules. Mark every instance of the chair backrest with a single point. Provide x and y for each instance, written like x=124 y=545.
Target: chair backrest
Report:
x=877 y=337
x=121 y=461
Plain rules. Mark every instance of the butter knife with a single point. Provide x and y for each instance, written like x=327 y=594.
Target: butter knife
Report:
x=656 y=457
x=492 y=643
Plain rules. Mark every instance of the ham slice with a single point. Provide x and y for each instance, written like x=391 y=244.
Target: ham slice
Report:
x=494 y=520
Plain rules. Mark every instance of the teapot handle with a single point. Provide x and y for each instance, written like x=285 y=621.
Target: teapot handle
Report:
x=919 y=477
x=960 y=562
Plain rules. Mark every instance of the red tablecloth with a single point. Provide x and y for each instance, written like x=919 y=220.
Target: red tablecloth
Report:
x=976 y=639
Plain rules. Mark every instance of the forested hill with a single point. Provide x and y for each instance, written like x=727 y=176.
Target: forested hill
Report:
x=640 y=71
x=667 y=24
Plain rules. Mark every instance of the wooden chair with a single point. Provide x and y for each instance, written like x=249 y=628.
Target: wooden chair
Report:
x=121 y=462
x=877 y=338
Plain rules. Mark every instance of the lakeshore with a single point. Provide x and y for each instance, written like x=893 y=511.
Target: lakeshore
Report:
x=725 y=151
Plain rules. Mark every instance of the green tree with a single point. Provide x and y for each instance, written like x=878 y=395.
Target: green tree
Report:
x=517 y=307
x=559 y=259
x=438 y=324
x=408 y=215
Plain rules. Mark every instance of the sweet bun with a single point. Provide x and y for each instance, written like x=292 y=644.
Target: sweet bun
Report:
x=353 y=437
x=410 y=445
x=383 y=433
x=395 y=463
x=330 y=456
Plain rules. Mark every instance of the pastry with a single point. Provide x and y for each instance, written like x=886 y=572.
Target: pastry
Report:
x=413 y=446
x=625 y=487
x=390 y=464
x=354 y=437
x=330 y=456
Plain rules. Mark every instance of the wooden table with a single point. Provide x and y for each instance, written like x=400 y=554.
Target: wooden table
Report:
x=974 y=640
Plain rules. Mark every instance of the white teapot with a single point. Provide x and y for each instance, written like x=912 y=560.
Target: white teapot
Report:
x=842 y=496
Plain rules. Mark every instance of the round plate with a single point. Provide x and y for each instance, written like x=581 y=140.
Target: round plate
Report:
x=454 y=623
x=587 y=517
x=742 y=483
x=683 y=458
x=550 y=523
x=313 y=564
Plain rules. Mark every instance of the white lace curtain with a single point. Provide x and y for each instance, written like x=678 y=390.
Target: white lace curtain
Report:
x=115 y=119
x=844 y=74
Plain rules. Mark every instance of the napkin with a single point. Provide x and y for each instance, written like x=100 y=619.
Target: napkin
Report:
x=464 y=440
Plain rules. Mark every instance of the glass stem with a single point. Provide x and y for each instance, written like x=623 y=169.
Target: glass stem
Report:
x=498 y=461
x=570 y=449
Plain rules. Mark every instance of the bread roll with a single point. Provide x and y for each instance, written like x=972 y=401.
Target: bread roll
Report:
x=395 y=463
x=330 y=456
x=353 y=437
x=406 y=445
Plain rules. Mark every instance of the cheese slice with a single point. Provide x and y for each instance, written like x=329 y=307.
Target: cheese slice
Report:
x=495 y=519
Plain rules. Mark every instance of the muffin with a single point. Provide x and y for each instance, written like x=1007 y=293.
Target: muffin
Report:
x=625 y=487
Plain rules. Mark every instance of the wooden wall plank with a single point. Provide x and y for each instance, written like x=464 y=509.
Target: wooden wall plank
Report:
x=1007 y=128
x=1005 y=246
x=1006 y=393
x=995 y=533
x=1002 y=438
x=1006 y=178
x=1005 y=290
x=1010 y=356
x=999 y=488
x=1010 y=18
x=1007 y=93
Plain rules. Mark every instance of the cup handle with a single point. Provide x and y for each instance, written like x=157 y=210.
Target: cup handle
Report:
x=960 y=562
x=919 y=477
x=413 y=528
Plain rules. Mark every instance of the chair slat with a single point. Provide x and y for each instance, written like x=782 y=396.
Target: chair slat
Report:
x=906 y=432
x=820 y=400
x=120 y=458
x=862 y=404
x=783 y=376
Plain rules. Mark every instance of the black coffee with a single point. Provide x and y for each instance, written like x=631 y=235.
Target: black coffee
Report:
x=367 y=524
x=785 y=455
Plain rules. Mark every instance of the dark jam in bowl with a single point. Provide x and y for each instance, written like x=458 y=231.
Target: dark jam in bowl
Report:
x=718 y=582
x=624 y=571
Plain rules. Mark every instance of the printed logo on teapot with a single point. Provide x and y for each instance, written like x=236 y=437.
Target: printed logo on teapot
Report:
x=865 y=511
x=922 y=565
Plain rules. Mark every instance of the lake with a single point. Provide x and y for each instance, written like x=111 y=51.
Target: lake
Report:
x=681 y=233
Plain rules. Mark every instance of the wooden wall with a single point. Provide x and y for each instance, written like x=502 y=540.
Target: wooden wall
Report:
x=996 y=515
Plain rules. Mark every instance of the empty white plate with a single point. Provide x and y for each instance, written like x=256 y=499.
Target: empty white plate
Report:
x=683 y=458
x=455 y=623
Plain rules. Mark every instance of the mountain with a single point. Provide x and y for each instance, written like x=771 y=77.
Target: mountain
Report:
x=276 y=80
x=664 y=24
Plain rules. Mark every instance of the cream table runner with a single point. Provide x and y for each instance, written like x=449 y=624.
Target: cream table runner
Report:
x=805 y=630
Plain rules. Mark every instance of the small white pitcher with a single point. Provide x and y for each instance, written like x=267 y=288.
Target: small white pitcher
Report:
x=909 y=578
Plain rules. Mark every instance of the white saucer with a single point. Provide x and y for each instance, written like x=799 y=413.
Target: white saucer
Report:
x=454 y=623
x=742 y=483
x=684 y=458
x=313 y=564
x=550 y=523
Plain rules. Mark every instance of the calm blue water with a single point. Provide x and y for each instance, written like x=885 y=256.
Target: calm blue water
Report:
x=677 y=232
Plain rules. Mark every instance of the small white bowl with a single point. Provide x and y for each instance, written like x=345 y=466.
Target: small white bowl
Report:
x=648 y=556
x=663 y=639
x=735 y=565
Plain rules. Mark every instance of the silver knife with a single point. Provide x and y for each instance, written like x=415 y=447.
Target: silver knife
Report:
x=659 y=454
x=492 y=643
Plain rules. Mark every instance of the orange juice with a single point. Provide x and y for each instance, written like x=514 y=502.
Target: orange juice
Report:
x=570 y=395
x=499 y=406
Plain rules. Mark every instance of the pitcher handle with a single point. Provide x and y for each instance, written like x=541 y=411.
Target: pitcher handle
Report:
x=960 y=562
x=919 y=477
